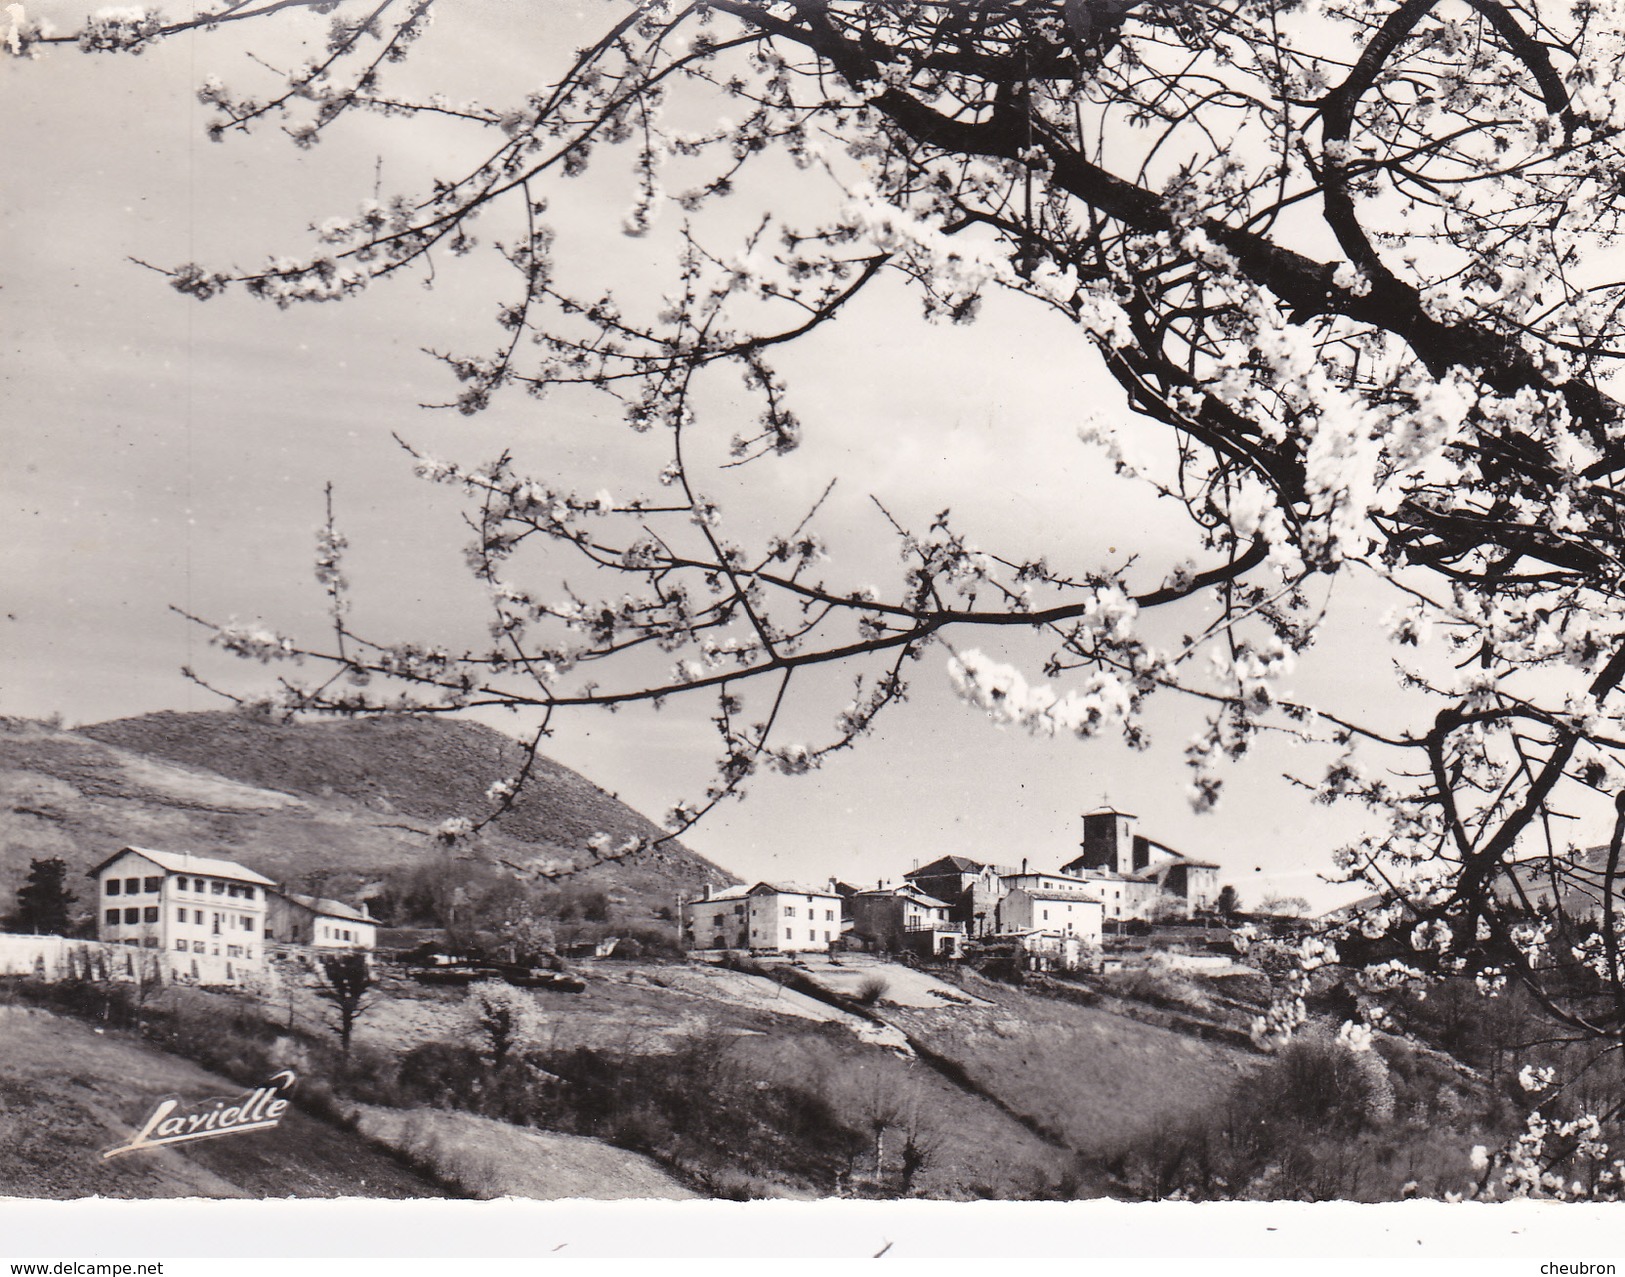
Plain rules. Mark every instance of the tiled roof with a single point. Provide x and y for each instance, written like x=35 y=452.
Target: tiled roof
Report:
x=184 y=862
x=793 y=889
x=328 y=908
x=946 y=865
x=910 y=893
x=742 y=890
x=1071 y=896
x=797 y=889
x=727 y=893
x=1077 y=869
x=1081 y=881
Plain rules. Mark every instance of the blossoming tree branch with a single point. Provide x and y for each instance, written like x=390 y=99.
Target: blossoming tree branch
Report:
x=1350 y=259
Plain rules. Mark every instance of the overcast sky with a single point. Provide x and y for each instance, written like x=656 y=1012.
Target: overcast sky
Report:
x=160 y=452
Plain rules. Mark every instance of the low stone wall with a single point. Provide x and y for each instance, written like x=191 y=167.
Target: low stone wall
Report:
x=60 y=958
x=34 y=955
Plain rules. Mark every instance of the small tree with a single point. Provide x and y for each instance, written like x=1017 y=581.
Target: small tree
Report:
x=44 y=901
x=347 y=982
x=503 y=1017
x=1284 y=906
x=1229 y=901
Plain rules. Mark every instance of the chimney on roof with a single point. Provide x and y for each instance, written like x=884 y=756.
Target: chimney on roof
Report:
x=915 y=865
x=1024 y=864
x=707 y=894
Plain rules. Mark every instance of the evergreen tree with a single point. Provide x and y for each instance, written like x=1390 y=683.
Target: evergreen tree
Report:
x=44 y=901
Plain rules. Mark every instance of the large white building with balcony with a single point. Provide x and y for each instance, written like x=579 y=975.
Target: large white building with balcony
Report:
x=205 y=916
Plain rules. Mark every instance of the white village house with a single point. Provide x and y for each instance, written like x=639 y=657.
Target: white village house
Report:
x=206 y=916
x=318 y=922
x=779 y=917
x=1065 y=912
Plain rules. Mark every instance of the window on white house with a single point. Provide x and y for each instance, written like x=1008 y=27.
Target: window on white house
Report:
x=180 y=884
x=248 y=893
x=132 y=915
x=150 y=914
x=181 y=945
x=788 y=934
x=219 y=888
x=132 y=886
x=248 y=924
x=197 y=916
x=151 y=884
x=197 y=946
x=789 y=911
x=112 y=917
x=112 y=886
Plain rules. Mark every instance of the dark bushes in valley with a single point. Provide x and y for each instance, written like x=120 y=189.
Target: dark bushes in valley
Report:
x=1320 y=1122
x=694 y=1109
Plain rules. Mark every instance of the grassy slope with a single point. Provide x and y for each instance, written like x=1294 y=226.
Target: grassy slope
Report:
x=68 y=1092
x=348 y=797
x=494 y=1159
x=1094 y=1079
x=639 y=1008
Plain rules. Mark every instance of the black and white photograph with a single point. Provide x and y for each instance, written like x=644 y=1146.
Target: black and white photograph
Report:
x=815 y=603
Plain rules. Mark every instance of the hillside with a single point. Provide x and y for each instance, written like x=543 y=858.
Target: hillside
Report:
x=350 y=799
x=70 y=1091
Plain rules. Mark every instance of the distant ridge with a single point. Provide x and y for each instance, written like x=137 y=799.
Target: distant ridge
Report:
x=350 y=796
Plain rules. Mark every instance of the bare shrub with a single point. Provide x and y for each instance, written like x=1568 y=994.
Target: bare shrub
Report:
x=1322 y=1083
x=503 y=1018
x=872 y=988
x=1159 y=983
